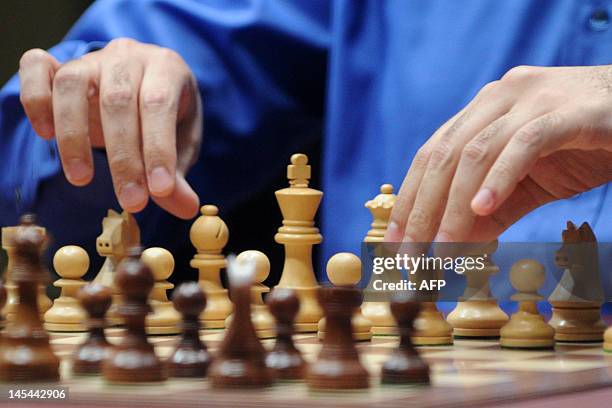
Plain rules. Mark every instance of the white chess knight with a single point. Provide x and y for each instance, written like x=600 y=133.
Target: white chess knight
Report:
x=576 y=301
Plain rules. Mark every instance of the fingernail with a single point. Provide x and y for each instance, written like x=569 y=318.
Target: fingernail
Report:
x=132 y=195
x=77 y=170
x=160 y=180
x=483 y=200
x=393 y=233
x=443 y=237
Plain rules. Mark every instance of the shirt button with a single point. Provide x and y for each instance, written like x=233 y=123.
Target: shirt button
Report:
x=599 y=20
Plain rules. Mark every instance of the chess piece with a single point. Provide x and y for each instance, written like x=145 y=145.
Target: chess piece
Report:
x=95 y=299
x=477 y=313
x=66 y=315
x=240 y=360
x=44 y=303
x=338 y=365
x=376 y=306
x=299 y=204
x=190 y=357
x=164 y=319
x=133 y=359
x=344 y=269
x=209 y=235
x=527 y=328
x=284 y=358
x=429 y=327
x=261 y=317
x=25 y=354
x=405 y=366
x=119 y=233
x=577 y=299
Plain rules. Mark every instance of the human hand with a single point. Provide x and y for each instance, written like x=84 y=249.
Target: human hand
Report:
x=535 y=136
x=138 y=101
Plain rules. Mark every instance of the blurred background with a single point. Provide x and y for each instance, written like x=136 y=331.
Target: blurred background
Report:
x=26 y=24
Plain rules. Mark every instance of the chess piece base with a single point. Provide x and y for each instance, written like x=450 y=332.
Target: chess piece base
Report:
x=475 y=333
x=325 y=375
x=477 y=318
x=119 y=366
x=88 y=358
x=65 y=327
x=193 y=364
x=239 y=373
x=286 y=365
x=527 y=329
x=432 y=341
x=404 y=369
x=384 y=331
x=430 y=327
x=527 y=343
x=155 y=330
x=574 y=322
x=28 y=360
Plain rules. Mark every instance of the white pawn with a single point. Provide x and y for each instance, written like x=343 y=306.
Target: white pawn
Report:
x=66 y=315
x=262 y=320
x=344 y=269
x=527 y=328
x=164 y=319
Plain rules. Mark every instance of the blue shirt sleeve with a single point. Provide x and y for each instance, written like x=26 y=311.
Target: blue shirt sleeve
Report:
x=261 y=100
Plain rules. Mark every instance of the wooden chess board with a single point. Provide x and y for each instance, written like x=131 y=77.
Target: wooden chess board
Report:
x=471 y=372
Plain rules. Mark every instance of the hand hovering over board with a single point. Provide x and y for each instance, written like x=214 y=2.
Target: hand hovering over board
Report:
x=535 y=136
x=138 y=101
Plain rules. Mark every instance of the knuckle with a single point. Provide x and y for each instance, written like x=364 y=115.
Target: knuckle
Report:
x=520 y=73
x=528 y=137
x=502 y=169
x=475 y=152
x=490 y=89
x=169 y=55
x=442 y=156
x=68 y=77
x=33 y=56
x=419 y=219
x=122 y=43
x=123 y=165
x=117 y=97
x=157 y=99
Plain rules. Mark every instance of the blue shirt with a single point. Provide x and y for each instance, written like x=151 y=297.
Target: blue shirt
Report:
x=374 y=78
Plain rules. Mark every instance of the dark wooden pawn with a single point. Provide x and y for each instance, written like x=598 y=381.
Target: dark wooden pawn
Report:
x=240 y=361
x=96 y=299
x=338 y=365
x=190 y=358
x=133 y=359
x=26 y=354
x=405 y=366
x=284 y=358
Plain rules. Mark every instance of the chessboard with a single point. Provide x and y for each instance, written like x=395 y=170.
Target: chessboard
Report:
x=468 y=373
